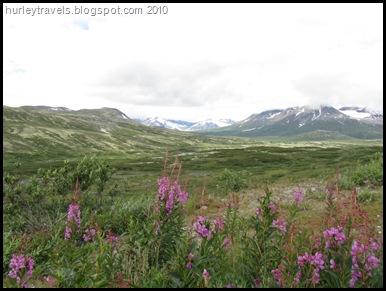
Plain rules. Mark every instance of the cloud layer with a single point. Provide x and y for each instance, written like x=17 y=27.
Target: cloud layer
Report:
x=198 y=61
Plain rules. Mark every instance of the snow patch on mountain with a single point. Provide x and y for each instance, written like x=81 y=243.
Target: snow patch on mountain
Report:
x=249 y=129
x=60 y=109
x=316 y=116
x=300 y=112
x=361 y=113
x=355 y=114
x=272 y=115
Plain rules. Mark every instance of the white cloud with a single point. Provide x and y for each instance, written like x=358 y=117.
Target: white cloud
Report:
x=197 y=61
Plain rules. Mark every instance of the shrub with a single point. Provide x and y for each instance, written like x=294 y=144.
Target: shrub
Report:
x=370 y=174
x=234 y=181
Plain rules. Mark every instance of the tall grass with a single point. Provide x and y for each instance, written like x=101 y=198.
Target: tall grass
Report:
x=149 y=242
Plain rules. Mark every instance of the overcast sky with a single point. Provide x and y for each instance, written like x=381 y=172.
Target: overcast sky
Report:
x=194 y=61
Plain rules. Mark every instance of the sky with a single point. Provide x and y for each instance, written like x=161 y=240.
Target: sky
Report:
x=193 y=61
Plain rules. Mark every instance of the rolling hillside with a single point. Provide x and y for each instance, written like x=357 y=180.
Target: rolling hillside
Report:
x=41 y=133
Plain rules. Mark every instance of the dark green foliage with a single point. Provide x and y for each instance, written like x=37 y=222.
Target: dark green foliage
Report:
x=39 y=201
x=368 y=174
x=233 y=181
x=262 y=246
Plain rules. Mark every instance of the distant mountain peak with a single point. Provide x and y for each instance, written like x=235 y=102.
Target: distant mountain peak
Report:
x=165 y=123
x=185 y=125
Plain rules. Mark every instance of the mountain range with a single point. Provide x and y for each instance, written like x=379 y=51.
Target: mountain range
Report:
x=302 y=122
x=290 y=118
x=34 y=128
x=308 y=123
x=185 y=125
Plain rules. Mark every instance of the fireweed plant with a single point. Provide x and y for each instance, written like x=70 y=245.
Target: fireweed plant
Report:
x=159 y=248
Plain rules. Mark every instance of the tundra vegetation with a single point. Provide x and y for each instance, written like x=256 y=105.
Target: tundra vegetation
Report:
x=217 y=217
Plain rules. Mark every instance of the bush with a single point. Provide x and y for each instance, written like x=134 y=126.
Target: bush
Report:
x=370 y=174
x=234 y=181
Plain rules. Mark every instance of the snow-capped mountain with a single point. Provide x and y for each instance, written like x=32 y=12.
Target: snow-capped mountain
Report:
x=210 y=123
x=185 y=125
x=310 y=123
x=165 y=123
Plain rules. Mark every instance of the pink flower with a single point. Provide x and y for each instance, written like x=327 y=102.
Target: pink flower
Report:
x=49 y=281
x=227 y=243
x=30 y=263
x=278 y=276
x=333 y=265
x=334 y=237
x=317 y=260
x=219 y=224
x=256 y=282
x=190 y=258
x=169 y=195
x=298 y=196
x=298 y=276
x=353 y=282
x=111 y=238
x=272 y=207
x=73 y=216
x=281 y=224
x=206 y=275
x=373 y=261
x=163 y=187
x=355 y=249
x=16 y=264
x=315 y=276
x=201 y=229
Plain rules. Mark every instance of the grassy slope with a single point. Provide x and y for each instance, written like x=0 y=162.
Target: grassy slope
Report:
x=44 y=137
